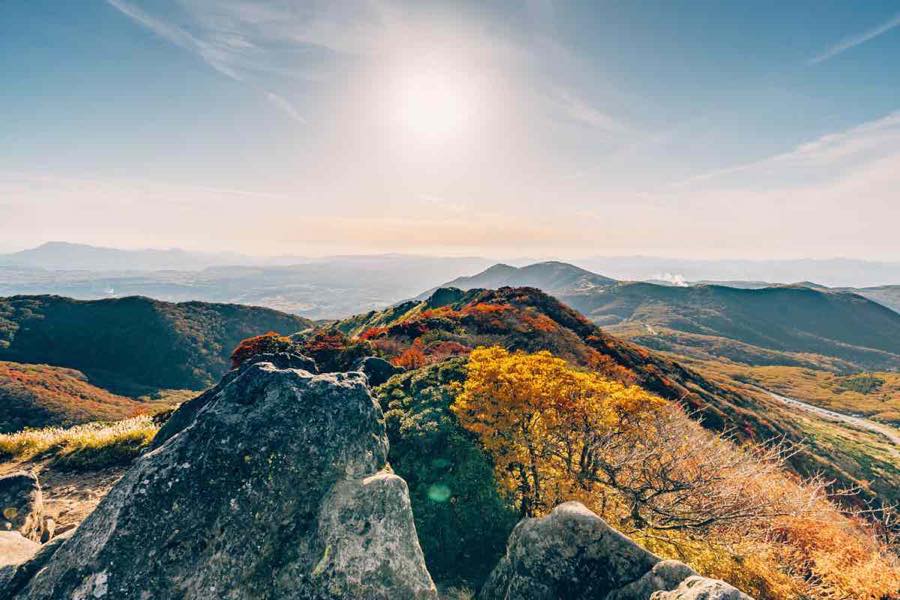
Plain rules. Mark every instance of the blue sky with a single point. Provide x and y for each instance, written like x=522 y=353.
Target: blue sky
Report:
x=696 y=129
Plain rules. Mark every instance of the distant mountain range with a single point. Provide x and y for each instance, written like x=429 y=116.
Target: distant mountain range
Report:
x=832 y=272
x=63 y=256
x=329 y=287
x=337 y=286
x=756 y=325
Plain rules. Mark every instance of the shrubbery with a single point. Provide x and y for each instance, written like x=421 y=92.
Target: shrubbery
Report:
x=558 y=433
x=461 y=518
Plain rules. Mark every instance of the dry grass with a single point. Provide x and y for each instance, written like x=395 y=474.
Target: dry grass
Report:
x=847 y=394
x=84 y=447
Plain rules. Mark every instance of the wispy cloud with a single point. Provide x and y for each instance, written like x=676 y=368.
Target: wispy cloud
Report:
x=856 y=40
x=220 y=54
x=177 y=36
x=286 y=107
x=868 y=141
x=578 y=109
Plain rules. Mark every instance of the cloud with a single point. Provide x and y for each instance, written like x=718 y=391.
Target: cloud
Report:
x=577 y=109
x=829 y=153
x=856 y=40
x=286 y=107
x=222 y=51
x=210 y=54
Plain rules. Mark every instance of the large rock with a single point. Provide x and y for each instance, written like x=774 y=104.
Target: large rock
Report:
x=376 y=369
x=572 y=554
x=187 y=412
x=701 y=588
x=275 y=490
x=21 y=505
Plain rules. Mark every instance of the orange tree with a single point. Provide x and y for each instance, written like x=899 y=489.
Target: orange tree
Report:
x=537 y=416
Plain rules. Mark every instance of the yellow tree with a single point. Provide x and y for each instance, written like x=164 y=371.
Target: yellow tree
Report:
x=537 y=416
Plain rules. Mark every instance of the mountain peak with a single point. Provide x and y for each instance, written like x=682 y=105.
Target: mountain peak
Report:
x=553 y=276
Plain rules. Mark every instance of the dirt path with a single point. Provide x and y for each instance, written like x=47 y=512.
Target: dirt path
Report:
x=890 y=433
x=69 y=496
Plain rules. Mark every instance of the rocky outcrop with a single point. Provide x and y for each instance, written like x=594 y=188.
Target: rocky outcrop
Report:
x=376 y=369
x=187 y=412
x=701 y=588
x=573 y=554
x=276 y=489
x=21 y=505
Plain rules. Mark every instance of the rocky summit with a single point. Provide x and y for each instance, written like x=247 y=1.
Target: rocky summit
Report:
x=276 y=489
x=572 y=553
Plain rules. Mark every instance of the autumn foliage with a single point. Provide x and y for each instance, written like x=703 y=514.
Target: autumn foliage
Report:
x=268 y=343
x=537 y=416
x=413 y=357
x=558 y=433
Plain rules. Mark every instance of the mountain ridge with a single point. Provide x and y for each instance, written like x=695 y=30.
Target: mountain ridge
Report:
x=133 y=345
x=788 y=319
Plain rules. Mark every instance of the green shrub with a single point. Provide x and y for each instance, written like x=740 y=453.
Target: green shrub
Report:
x=462 y=521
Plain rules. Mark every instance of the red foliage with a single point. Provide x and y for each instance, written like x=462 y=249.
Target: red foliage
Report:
x=373 y=332
x=540 y=322
x=261 y=344
x=413 y=358
x=485 y=308
x=439 y=351
x=326 y=340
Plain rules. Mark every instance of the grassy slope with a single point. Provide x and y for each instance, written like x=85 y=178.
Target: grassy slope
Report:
x=133 y=345
x=535 y=321
x=873 y=395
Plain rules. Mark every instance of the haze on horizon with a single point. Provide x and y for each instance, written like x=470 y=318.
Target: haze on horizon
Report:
x=541 y=128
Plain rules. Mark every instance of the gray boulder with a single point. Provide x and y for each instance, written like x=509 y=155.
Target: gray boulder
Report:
x=21 y=505
x=274 y=490
x=187 y=412
x=376 y=369
x=701 y=588
x=572 y=554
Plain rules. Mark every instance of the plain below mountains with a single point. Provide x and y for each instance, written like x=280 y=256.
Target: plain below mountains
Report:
x=134 y=346
x=789 y=325
x=317 y=288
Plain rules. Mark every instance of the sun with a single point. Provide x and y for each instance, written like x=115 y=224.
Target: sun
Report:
x=435 y=101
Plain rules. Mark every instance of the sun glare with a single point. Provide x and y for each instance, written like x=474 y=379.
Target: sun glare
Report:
x=435 y=101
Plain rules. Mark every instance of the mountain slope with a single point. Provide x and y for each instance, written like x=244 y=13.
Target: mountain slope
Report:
x=41 y=395
x=134 y=343
x=452 y=322
x=758 y=324
x=789 y=319
x=888 y=295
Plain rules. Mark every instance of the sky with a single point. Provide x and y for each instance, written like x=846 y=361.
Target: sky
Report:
x=725 y=129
